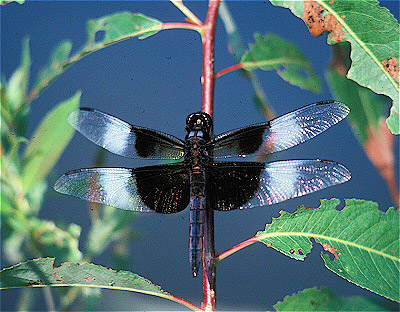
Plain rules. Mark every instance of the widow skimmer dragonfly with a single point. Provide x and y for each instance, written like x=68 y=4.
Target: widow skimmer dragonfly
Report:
x=200 y=179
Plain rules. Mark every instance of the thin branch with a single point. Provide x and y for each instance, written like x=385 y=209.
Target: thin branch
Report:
x=208 y=80
x=237 y=248
x=191 y=17
x=229 y=69
x=185 y=303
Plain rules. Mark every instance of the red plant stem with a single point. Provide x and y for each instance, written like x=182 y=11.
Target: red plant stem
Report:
x=165 y=26
x=237 y=248
x=229 y=69
x=208 y=79
x=184 y=303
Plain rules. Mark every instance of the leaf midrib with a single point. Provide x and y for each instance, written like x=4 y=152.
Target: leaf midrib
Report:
x=320 y=236
x=276 y=61
x=356 y=38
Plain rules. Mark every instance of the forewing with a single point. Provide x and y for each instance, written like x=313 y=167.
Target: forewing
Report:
x=280 y=133
x=121 y=138
x=275 y=182
x=163 y=188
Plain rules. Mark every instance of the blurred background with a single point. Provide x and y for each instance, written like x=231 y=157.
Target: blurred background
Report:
x=155 y=83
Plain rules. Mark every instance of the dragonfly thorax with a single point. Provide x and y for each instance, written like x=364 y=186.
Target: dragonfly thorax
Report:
x=199 y=124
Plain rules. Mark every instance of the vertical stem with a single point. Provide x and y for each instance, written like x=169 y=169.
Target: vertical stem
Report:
x=208 y=79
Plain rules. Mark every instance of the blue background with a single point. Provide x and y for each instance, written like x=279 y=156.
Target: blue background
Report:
x=156 y=83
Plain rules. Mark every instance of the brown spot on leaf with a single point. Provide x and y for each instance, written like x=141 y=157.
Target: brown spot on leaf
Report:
x=332 y=250
x=56 y=275
x=291 y=251
x=318 y=22
x=269 y=244
x=391 y=66
x=88 y=279
x=33 y=283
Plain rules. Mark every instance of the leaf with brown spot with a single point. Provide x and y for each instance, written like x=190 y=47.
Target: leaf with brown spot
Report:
x=318 y=21
x=42 y=272
x=374 y=36
x=364 y=251
x=367 y=113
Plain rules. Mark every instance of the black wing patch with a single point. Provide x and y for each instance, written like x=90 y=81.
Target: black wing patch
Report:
x=243 y=185
x=162 y=188
x=280 y=133
x=231 y=185
x=121 y=138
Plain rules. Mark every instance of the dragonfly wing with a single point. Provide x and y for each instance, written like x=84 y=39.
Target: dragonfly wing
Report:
x=121 y=138
x=230 y=185
x=267 y=184
x=280 y=133
x=162 y=188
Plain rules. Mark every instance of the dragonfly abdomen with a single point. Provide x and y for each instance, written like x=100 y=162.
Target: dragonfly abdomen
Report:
x=196 y=232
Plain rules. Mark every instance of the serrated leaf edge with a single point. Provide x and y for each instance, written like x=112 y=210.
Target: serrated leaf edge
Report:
x=355 y=37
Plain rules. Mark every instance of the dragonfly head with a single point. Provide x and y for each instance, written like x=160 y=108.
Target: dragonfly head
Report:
x=200 y=122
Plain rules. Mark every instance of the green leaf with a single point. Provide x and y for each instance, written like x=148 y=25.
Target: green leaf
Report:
x=362 y=243
x=42 y=272
x=366 y=107
x=118 y=27
x=374 y=36
x=18 y=83
x=236 y=48
x=48 y=142
x=235 y=44
x=274 y=53
x=4 y=2
x=110 y=227
x=313 y=299
x=113 y=28
x=57 y=63
x=50 y=240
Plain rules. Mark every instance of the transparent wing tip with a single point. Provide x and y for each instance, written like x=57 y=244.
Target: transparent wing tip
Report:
x=58 y=186
x=73 y=117
x=63 y=182
x=340 y=172
x=343 y=108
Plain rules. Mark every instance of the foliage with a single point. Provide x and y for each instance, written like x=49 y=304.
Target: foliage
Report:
x=313 y=299
x=43 y=272
x=272 y=52
x=362 y=243
x=374 y=36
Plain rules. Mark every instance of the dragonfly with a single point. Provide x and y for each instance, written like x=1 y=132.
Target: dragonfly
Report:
x=201 y=178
